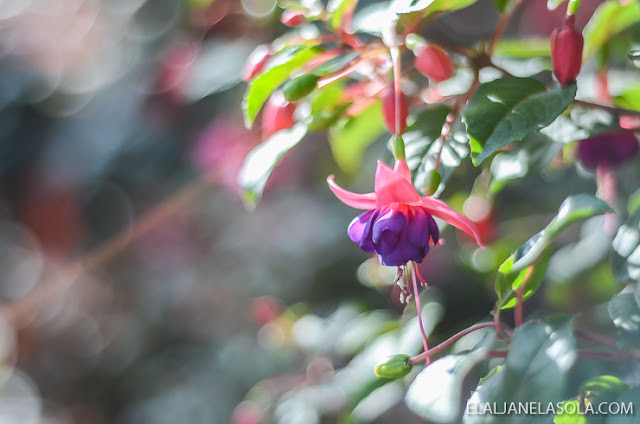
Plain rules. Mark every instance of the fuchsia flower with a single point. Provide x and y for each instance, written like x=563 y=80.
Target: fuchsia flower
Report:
x=398 y=224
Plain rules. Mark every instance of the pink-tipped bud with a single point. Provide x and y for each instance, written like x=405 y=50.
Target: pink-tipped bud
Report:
x=277 y=115
x=293 y=18
x=566 y=51
x=389 y=112
x=434 y=63
x=256 y=61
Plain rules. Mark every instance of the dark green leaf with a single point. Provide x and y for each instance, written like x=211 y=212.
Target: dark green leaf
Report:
x=349 y=141
x=502 y=5
x=609 y=19
x=262 y=86
x=262 y=160
x=624 y=309
x=570 y=413
x=509 y=109
x=508 y=283
x=628 y=399
x=626 y=245
x=573 y=209
x=540 y=357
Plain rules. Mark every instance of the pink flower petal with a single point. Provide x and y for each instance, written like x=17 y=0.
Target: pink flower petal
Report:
x=393 y=187
x=402 y=169
x=359 y=201
x=440 y=209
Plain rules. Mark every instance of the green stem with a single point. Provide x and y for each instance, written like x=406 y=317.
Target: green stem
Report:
x=572 y=7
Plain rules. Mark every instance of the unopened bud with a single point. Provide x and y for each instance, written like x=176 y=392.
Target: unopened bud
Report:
x=395 y=366
x=277 y=115
x=434 y=63
x=432 y=182
x=566 y=51
x=398 y=147
x=299 y=87
x=293 y=18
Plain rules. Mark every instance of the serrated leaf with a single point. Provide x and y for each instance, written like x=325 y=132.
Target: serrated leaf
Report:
x=508 y=282
x=624 y=309
x=573 y=209
x=536 y=369
x=570 y=413
x=261 y=87
x=610 y=18
x=444 y=402
x=349 y=141
x=338 y=9
x=261 y=161
x=509 y=109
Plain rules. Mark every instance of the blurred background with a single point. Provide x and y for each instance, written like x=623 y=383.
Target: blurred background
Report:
x=135 y=287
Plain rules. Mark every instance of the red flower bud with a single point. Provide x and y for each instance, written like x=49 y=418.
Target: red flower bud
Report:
x=256 y=61
x=277 y=115
x=293 y=18
x=434 y=63
x=566 y=51
x=389 y=112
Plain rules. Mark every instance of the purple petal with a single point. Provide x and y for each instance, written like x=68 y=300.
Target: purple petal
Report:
x=387 y=229
x=357 y=227
x=434 y=231
x=418 y=228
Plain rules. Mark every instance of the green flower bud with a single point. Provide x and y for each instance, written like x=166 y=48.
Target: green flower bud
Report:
x=299 y=87
x=395 y=366
x=398 y=147
x=432 y=182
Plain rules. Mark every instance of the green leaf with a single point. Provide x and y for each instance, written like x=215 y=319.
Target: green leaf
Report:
x=523 y=48
x=536 y=369
x=443 y=402
x=349 y=141
x=570 y=413
x=262 y=160
x=624 y=309
x=502 y=5
x=573 y=209
x=629 y=99
x=625 y=258
x=603 y=388
x=261 y=87
x=509 y=282
x=609 y=19
x=509 y=109
x=338 y=9
x=628 y=399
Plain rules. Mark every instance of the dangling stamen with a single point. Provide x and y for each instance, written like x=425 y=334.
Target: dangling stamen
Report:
x=423 y=283
x=419 y=309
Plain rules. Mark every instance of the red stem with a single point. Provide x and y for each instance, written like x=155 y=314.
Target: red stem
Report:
x=419 y=309
x=453 y=339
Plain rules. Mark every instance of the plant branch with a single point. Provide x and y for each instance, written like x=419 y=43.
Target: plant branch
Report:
x=454 y=338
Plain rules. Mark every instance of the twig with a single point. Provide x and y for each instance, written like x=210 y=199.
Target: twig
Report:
x=609 y=108
x=453 y=339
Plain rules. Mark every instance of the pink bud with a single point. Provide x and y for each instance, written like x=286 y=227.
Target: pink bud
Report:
x=256 y=61
x=434 y=63
x=389 y=112
x=293 y=18
x=277 y=115
x=566 y=51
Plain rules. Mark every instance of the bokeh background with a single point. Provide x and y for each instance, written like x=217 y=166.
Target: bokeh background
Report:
x=135 y=286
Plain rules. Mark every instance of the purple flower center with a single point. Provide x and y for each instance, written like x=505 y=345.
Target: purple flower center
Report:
x=398 y=233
